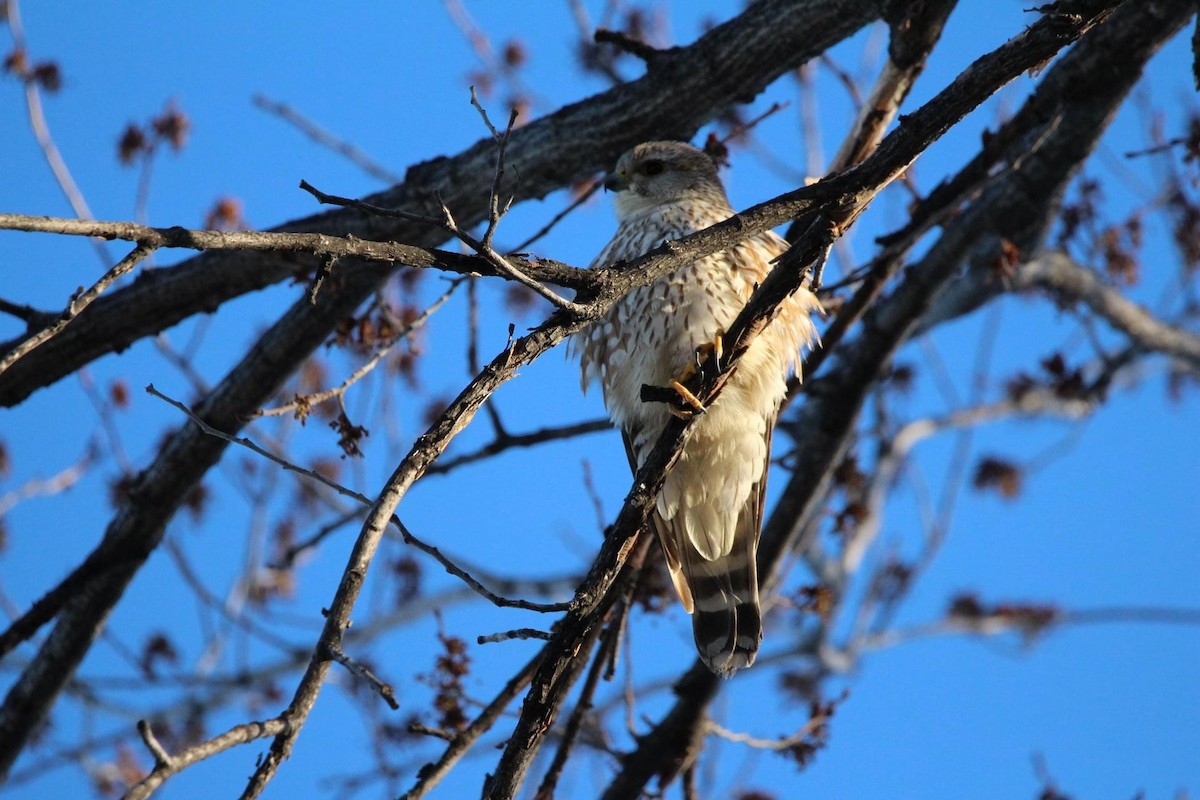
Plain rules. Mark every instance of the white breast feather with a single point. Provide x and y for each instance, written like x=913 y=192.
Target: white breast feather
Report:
x=649 y=338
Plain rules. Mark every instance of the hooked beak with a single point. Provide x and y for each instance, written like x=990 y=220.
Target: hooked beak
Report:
x=616 y=182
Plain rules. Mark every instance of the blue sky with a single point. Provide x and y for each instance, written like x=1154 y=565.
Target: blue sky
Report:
x=1111 y=521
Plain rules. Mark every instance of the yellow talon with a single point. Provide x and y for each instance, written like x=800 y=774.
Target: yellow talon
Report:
x=686 y=395
x=690 y=370
x=716 y=347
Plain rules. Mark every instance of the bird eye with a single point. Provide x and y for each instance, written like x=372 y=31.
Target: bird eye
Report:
x=653 y=167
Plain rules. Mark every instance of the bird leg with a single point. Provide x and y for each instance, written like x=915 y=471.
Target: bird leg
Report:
x=691 y=404
x=681 y=401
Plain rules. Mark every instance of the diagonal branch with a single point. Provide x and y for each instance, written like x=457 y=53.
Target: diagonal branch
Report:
x=77 y=305
x=680 y=94
x=826 y=420
x=1069 y=283
x=850 y=189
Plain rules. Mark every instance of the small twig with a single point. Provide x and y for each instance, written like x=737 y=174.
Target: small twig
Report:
x=59 y=482
x=473 y=329
x=77 y=304
x=496 y=212
x=742 y=128
x=473 y=356
x=845 y=78
x=239 y=734
x=289 y=556
x=323 y=272
x=589 y=486
x=626 y=43
x=41 y=131
x=368 y=208
x=463 y=575
x=161 y=757
x=426 y=730
x=32 y=317
x=407 y=535
x=584 y=196
x=315 y=244
x=484 y=246
x=486 y=120
x=384 y=690
x=504 y=266
x=508 y=441
x=782 y=743
x=518 y=633
x=447 y=223
x=360 y=373
x=1158 y=148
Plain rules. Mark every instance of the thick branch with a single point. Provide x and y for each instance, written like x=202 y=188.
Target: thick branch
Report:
x=683 y=92
x=152 y=499
x=1014 y=203
x=1069 y=283
x=305 y=244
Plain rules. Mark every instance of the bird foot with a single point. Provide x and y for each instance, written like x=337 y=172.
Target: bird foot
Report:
x=689 y=404
x=681 y=401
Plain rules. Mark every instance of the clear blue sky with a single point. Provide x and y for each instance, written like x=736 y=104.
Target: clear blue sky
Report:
x=1109 y=520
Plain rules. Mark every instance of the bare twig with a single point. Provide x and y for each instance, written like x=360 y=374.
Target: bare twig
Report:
x=161 y=757
x=317 y=244
x=508 y=441
x=59 y=482
x=239 y=734
x=33 y=318
x=497 y=210
x=407 y=535
x=583 y=197
x=41 y=131
x=77 y=304
x=623 y=41
x=508 y=636
x=427 y=730
x=309 y=400
x=782 y=743
x=364 y=674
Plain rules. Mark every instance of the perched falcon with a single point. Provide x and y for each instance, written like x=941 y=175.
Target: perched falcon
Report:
x=709 y=514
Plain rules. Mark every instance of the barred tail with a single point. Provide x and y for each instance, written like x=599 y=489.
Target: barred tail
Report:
x=727 y=620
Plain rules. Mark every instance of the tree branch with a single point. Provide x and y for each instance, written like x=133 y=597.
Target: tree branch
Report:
x=1014 y=203
x=173 y=765
x=1070 y=283
x=769 y=39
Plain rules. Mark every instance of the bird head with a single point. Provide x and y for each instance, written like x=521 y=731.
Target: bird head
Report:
x=659 y=173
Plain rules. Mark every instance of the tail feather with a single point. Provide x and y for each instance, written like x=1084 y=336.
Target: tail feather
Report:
x=721 y=594
x=726 y=622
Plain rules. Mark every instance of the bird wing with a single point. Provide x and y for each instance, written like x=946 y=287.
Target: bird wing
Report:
x=667 y=538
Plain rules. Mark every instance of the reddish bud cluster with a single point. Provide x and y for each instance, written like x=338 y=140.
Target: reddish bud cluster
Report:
x=447 y=680
x=1030 y=619
x=225 y=215
x=156 y=650
x=171 y=127
x=407 y=573
x=45 y=74
x=349 y=435
x=998 y=474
